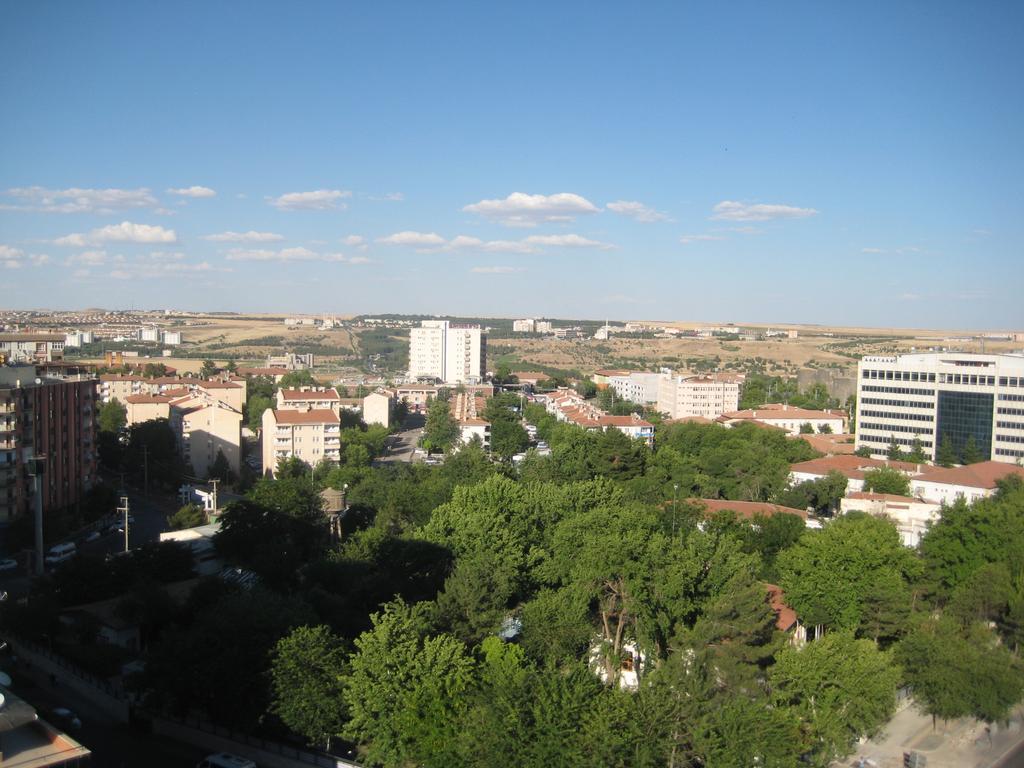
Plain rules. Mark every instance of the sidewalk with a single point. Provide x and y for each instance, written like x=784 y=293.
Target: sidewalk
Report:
x=956 y=744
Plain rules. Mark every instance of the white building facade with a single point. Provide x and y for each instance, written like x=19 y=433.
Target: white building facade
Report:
x=636 y=386
x=708 y=397
x=449 y=352
x=943 y=397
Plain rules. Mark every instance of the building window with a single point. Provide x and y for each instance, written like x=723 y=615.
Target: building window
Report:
x=963 y=415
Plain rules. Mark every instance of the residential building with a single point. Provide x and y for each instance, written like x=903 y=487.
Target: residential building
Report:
x=636 y=386
x=149 y=334
x=309 y=398
x=747 y=510
x=853 y=468
x=139 y=408
x=912 y=516
x=27 y=741
x=291 y=361
x=957 y=398
x=787 y=417
x=205 y=427
x=276 y=374
x=172 y=338
x=829 y=444
x=466 y=410
x=568 y=406
x=52 y=417
x=117 y=386
x=377 y=408
x=447 y=352
x=524 y=326
x=542 y=326
x=707 y=396
x=307 y=434
x=31 y=347
x=78 y=338
x=602 y=379
x=969 y=482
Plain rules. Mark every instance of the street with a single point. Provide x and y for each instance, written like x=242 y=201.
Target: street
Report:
x=113 y=745
x=402 y=446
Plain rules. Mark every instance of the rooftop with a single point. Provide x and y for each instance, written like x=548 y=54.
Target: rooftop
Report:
x=984 y=474
x=748 y=509
x=312 y=416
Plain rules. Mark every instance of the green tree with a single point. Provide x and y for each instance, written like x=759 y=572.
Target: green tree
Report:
x=112 y=416
x=297 y=379
x=807 y=428
x=864 y=452
x=209 y=369
x=972 y=454
x=887 y=480
x=842 y=688
x=947 y=455
x=829 y=573
x=221 y=469
x=441 y=430
x=404 y=692
x=154 y=370
x=307 y=670
x=824 y=429
x=189 y=516
x=254 y=409
x=958 y=672
x=894 y=453
x=917 y=454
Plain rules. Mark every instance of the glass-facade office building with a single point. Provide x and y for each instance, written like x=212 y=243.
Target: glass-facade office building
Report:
x=971 y=403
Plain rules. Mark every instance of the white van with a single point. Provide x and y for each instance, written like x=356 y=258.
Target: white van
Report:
x=224 y=760
x=60 y=553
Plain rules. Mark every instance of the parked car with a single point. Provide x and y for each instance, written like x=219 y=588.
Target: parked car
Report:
x=91 y=536
x=8 y=564
x=64 y=718
x=225 y=760
x=60 y=553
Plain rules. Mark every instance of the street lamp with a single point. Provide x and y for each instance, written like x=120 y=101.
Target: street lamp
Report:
x=675 y=502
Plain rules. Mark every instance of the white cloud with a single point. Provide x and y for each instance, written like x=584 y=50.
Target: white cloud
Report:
x=8 y=252
x=415 y=239
x=687 y=239
x=76 y=200
x=496 y=270
x=149 y=269
x=93 y=258
x=38 y=259
x=193 y=192
x=567 y=241
x=522 y=210
x=359 y=260
x=298 y=253
x=636 y=210
x=244 y=237
x=730 y=210
x=353 y=241
x=395 y=197
x=125 y=232
x=872 y=250
x=318 y=200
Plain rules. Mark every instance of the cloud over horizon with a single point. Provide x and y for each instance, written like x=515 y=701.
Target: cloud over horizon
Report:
x=317 y=200
x=125 y=232
x=523 y=210
x=730 y=210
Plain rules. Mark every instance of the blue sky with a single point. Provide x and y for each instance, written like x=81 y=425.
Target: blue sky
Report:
x=855 y=163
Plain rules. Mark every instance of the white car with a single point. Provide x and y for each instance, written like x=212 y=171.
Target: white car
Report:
x=91 y=536
x=8 y=564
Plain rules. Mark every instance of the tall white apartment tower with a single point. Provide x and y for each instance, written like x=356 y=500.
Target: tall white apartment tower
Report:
x=944 y=398
x=452 y=353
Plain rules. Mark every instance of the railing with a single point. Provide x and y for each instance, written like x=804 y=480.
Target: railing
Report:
x=267 y=745
x=116 y=691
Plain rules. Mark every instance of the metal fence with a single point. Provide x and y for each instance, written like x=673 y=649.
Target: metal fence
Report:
x=115 y=691
x=267 y=745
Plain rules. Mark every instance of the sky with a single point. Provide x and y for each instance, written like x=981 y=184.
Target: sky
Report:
x=807 y=162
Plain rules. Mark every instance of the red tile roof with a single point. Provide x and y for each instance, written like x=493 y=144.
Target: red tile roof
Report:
x=143 y=399
x=307 y=394
x=774 y=411
x=219 y=385
x=312 y=416
x=854 y=467
x=785 y=617
x=747 y=509
x=981 y=475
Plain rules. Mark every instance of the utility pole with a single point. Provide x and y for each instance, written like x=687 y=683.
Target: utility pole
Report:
x=38 y=465
x=124 y=508
x=214 y=484
x=675 y=514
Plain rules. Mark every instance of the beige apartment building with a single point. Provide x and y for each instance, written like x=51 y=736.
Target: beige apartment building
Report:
x=310 y=434
x=205 y=427
x=309 y=398
x=140 y=408
x=683 y=397
x=377 y=407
